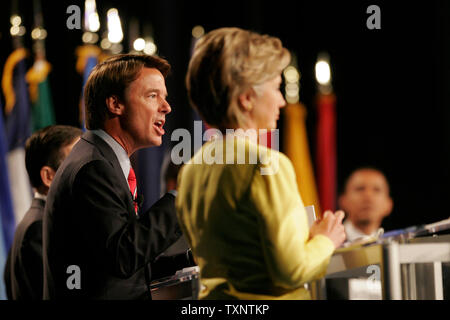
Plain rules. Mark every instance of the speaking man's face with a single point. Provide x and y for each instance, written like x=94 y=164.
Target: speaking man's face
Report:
x=146 y=108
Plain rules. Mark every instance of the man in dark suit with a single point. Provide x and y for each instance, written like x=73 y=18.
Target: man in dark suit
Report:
x=97 y=243
x=45 y=150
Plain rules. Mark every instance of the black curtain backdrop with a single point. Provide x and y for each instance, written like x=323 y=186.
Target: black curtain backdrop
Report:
x=392 y=85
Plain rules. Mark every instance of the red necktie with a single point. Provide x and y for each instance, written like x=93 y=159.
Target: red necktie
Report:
x=132 y=184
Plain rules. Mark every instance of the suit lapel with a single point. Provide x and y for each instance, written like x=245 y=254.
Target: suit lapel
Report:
x=110 y=156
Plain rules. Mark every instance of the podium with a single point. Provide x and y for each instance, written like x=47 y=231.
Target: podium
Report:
x=183 y=285
x=400 y=268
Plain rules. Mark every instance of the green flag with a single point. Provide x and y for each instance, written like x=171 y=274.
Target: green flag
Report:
x=42 y=110
x=42 y=114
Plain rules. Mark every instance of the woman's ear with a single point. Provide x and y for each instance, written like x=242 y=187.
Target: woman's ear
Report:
x=114 y=105
x=245 y=100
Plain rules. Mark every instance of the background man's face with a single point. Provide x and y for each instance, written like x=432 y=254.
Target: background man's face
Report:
x=48 y=177
x=366 y=198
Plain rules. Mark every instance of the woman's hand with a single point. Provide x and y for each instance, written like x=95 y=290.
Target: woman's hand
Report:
x=330 y=226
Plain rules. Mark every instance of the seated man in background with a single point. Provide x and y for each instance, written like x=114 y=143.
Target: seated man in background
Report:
x=45 y=150
x=366 y=201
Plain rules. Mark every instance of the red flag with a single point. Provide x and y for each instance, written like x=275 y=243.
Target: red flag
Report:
x=326 y=151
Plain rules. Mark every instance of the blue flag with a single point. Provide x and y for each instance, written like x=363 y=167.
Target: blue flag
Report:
x=18 y=121
x=88 y=57
x=6 y=208
x=17 y=130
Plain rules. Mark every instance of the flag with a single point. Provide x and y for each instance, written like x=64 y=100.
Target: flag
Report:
x=296 y=147
x=326 y=151
x=269 y=138
x=7 y=223
x=88 y=57
x=18 y=129
x=42 y=106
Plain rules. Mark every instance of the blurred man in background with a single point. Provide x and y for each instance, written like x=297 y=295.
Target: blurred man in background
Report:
x=45 y=150
x=366 y=201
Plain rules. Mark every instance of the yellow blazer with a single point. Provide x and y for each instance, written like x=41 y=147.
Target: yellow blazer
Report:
x=246 y=223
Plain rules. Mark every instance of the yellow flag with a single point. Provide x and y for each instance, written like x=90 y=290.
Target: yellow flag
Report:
x=296 y=147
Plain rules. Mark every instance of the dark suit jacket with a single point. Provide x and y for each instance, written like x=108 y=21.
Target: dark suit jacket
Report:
x=23 y=269
x=90 y=223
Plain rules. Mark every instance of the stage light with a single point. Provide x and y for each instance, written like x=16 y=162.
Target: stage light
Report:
x=150 y=48
x=292 y=85
x=139 y=44
x=198 y=32
x=94 y=22
x=116 y=48
x=16 y=20
x=43 y=34
x=91 y=20
x=89 y=37
x=292 y=89
x=323 y=72
x=17 y=30
x=36 y=33
x=115 y=34
x=291 y=74
x=14 y=30
x=105 y=44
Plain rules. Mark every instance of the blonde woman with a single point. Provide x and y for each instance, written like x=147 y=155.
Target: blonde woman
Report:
x=244 y=220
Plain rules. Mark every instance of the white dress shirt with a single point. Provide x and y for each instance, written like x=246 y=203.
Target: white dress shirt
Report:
x=119 y=151
x=41 y=196
x=354 y=233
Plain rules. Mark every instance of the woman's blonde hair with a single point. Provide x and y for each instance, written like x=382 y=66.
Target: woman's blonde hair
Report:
x=225 y=63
